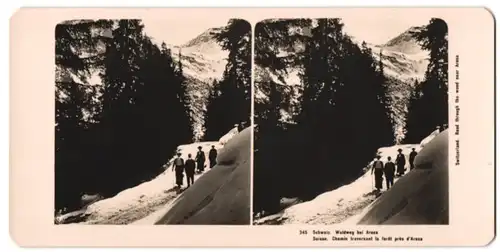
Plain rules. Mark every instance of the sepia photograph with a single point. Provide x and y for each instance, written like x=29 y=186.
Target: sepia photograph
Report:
x=351 y=118
x=152 y=121
x=252 y=127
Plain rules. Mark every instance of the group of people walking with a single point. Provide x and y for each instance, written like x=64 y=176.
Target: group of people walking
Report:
x=190 y=165
x=389 y=170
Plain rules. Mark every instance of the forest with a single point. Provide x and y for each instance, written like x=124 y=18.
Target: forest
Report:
x=120 y=132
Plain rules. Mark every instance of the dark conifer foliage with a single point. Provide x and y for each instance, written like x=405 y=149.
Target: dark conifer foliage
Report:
x=344 y=113
x=73 y=103
x=271 y=38
x=230 y=101
x=428 y=106
x=117 y=134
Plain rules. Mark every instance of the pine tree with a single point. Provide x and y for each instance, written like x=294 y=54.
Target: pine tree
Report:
x=145 y=108
x=269 y=130
x=121 y=118
x=126 y=135
x=77 y=54
x=344 y=118
x=211 y=120
x=428 y=106
x=186 y=118
x=231 y=101
x=272 y=37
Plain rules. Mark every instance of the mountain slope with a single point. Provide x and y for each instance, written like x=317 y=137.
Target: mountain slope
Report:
x=203 y=62
x=404 y=63
x=404 y=42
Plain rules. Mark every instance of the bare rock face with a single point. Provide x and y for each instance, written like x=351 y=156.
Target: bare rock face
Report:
x=419 y=198
x=222 y=195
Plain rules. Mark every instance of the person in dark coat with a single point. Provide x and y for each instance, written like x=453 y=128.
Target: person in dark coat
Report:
x=439 y=128
x=413 y=154
x=200 y=160
x=389 y=170
x=178 y=167
x=378 y=167
x=212 y=157
x=400 y=162
x=190 y=166
x=239 y=126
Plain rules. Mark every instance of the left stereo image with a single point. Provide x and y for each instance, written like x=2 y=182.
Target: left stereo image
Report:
x=152 y=122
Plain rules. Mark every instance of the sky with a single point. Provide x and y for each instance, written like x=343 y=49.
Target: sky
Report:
x=177 y=32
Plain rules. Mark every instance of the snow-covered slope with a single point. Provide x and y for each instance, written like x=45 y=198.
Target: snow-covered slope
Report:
x=404 y=63
x=222 y=195
x=344 y=202
x=203 y=62
x=225 y=138
x=404 y=42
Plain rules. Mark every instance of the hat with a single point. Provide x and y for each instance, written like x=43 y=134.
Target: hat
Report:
x=199 y=147
x=400 y=150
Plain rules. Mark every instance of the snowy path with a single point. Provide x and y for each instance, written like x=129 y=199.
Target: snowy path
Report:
x=144 y=203
x=338 y=205
x=134 y=212
x=331 y=207
x=345 y=204
x=142 y=200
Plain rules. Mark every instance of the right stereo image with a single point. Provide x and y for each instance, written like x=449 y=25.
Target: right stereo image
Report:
x=351 y=121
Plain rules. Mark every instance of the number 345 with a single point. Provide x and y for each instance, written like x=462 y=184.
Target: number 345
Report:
x=302 y=232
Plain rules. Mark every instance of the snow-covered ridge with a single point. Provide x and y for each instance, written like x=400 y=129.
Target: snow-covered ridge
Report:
x=202 y=57
x=401 y=65
x=405 y=42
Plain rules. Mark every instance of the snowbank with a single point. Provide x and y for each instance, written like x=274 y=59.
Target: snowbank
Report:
x=221 y=196
x=429 y=138
x=233 y=132
x=420 y=197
